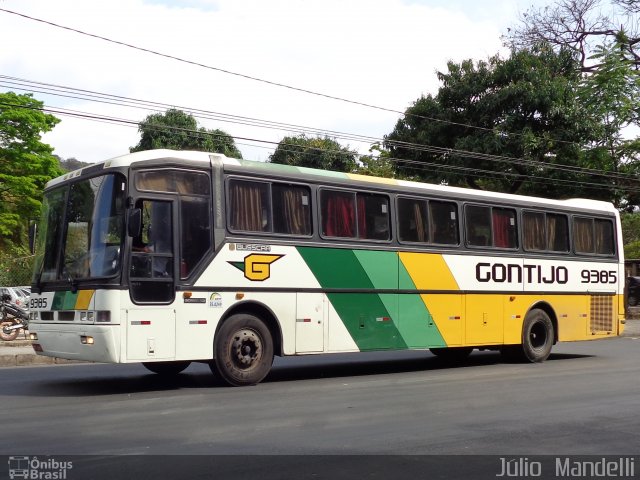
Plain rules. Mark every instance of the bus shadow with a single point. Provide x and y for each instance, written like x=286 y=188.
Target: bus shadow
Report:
x=284 y=370
x=358 y=368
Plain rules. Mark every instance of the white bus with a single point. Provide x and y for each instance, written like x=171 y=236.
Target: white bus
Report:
x=166 y=258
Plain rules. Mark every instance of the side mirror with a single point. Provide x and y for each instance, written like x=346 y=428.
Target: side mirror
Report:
x=134 y=222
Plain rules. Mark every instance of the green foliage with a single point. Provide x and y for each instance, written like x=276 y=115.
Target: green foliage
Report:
x=16 y=266
x=179 y=130
x=26 y=165
x=612 y=95
x=323 y=153
x=632 y=251
x=526 y=110
x=630 y=227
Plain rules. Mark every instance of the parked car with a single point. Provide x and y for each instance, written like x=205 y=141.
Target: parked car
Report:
x=633 y=291
x=17 y=296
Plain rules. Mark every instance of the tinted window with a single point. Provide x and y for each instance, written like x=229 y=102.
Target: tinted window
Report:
x=427 y=221
x=173 y=181
x=351 y=215
x=491 y=227
x=545 y=232
x=269 y=208
x=249 y=208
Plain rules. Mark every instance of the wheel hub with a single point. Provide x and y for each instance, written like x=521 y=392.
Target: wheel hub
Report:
x=246 y=348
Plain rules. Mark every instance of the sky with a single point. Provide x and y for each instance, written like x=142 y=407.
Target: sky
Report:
x=383 y=53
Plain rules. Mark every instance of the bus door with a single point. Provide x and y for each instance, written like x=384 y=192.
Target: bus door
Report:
x=151 y=322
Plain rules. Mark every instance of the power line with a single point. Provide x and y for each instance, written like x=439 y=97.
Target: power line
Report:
x=93 y=96
x=257 y=79
x=407 y=163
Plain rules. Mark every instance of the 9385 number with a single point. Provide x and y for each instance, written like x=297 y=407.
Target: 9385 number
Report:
x=599 y=276
x=38 y=303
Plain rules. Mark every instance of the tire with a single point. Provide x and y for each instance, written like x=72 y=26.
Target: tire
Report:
x=537 y=339
x=452 y=354
x=166 y=369
x=633 y=301
x=7 y=337
x=243 y=350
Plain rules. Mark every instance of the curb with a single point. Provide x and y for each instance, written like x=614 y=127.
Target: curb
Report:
x=26 y=359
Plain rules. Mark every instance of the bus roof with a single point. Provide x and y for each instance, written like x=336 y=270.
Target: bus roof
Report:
x=237 y=165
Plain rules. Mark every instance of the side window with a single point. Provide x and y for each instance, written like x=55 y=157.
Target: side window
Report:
x=249 y=208
x=338 y=211
x=557 y=233
x=373 y=217
x=413 y=220
x=292 y=209
x=545 y=232
x=604 y=237
x=444 y=223
x=583 y=235
x=533 y=231
x=195 y=232
x=491 y=227
x=350 y=215
x=593 y=236
x=428 y=221
x=478 y=222
x=269 y=207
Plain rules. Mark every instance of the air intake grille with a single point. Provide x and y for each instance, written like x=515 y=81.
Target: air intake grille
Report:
x=601 y=313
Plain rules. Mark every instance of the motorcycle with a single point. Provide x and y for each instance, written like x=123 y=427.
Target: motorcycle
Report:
x=12 y=319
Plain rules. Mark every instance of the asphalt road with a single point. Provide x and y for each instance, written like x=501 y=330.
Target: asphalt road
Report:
x=584 y=400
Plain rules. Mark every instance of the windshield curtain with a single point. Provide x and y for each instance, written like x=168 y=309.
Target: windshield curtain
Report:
x=81 y=230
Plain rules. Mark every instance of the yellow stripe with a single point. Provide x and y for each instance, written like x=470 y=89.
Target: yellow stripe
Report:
x=84 y=299
x=429 y=271
x=367 y=178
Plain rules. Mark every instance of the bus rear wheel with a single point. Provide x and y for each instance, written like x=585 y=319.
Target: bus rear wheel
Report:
x=537 y=339
x=243 y=350
x=166 y=369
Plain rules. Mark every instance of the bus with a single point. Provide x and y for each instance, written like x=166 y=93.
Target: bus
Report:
x=170 y=257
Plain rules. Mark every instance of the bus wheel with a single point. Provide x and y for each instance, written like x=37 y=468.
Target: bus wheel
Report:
x=244 y=350
x=166 y=369
x=537 y=336
x=453 y=354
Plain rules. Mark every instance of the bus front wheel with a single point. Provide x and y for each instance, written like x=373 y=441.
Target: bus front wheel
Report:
x=243 y=350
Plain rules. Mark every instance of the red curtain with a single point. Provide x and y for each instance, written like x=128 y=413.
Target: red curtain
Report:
x=339 y=221
x=501 y=227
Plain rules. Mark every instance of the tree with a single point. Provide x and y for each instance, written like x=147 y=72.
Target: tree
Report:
x=26 y=165
x=179 y=130
x=323 y=153
x=612 y=95
x=581 y=25
x=511 y=125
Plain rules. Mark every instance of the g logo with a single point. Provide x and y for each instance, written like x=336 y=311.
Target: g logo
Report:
x=257 y=266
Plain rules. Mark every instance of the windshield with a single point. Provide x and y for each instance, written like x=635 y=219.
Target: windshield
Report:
x=81 y=230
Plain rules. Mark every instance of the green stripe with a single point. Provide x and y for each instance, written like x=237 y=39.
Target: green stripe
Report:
x=417 y=326
x=364 y=314
x=64 y=301
x=361 y=313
